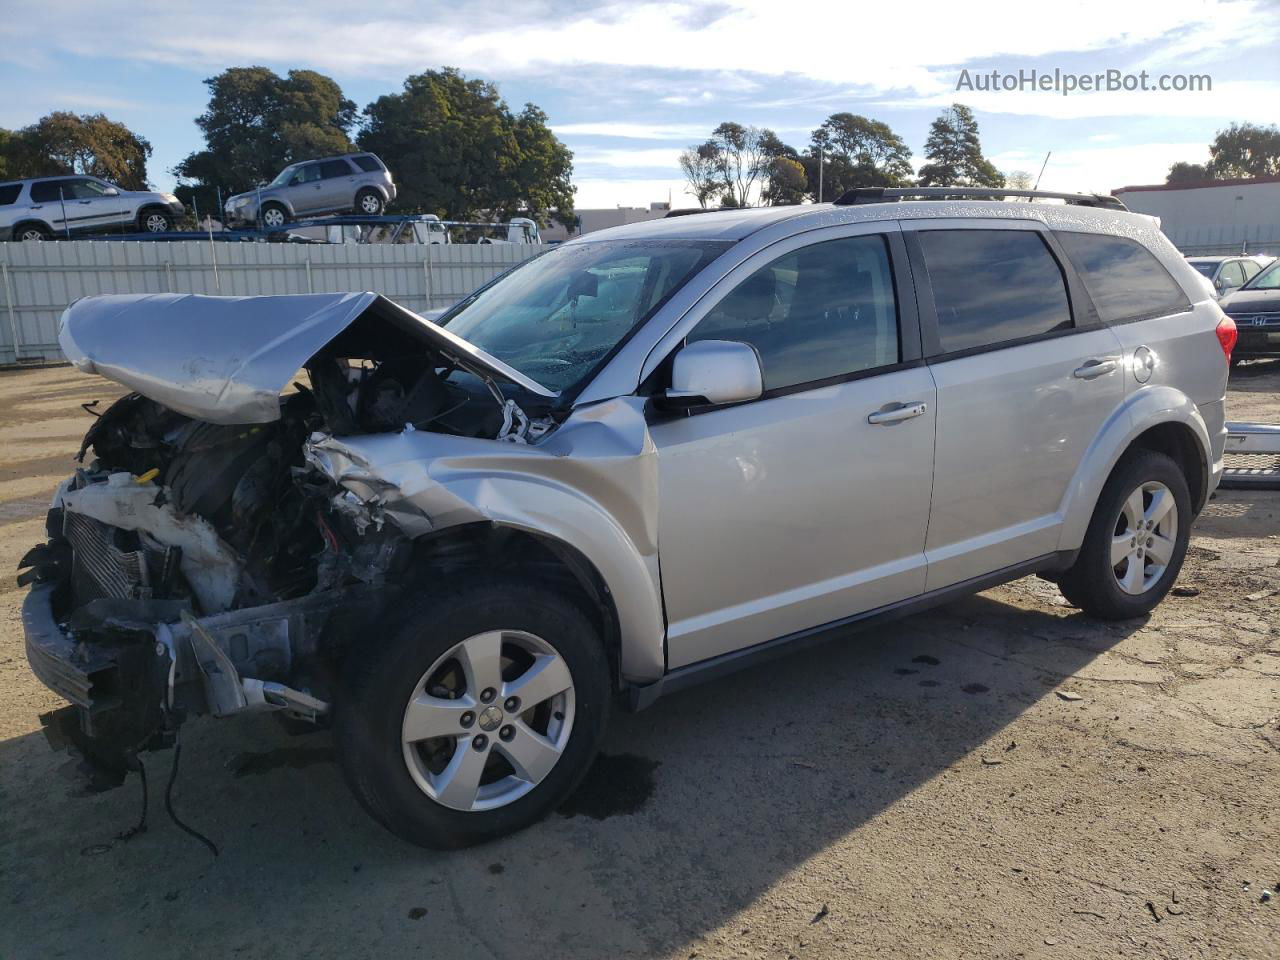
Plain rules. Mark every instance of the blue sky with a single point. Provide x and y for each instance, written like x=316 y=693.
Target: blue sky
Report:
x=627 y=85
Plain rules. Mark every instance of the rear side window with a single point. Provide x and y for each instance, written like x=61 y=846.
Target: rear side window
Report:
x=993 y=286
x=367 y=163
x=823 y=311
x=335 y=168
x=46 y=191
x=9 y=193
x=1125 y=281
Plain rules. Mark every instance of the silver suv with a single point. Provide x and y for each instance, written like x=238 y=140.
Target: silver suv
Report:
x=46 y=207
x=353 y=183
x=643 y=459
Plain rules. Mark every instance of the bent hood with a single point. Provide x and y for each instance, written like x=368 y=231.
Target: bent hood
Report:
x=226 y=359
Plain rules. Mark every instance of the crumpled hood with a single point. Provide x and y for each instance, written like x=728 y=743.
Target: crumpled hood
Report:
x=226 y=359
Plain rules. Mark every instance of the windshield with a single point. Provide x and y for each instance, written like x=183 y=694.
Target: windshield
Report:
x=283 y=176
x=1205 y=267
x=554 y=318
x=1268 y=279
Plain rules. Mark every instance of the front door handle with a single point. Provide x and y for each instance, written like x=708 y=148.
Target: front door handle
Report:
x=898 y=412
x=1097 y=367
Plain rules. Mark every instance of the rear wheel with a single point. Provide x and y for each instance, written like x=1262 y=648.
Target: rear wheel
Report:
x=477 y=717
x=369 y=202
x=31 y=231
x=1136 y=540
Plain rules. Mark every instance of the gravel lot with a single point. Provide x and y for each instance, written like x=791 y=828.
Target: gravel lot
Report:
x=922 y=790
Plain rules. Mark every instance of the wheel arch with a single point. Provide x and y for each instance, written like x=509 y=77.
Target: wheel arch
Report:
x=32 y=222
x=1162 y=419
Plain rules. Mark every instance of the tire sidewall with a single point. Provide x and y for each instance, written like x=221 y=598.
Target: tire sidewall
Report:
x=369 y=717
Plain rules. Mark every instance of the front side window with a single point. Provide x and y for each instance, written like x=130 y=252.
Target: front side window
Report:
x=82 y=188
x=823 y=311
x=308 y=173
x=993 y=286
x=1123 y=278
x=556 y=317
x=1232 y=275
x=285 y=176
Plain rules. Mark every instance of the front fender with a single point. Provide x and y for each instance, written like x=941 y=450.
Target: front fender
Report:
x=1142 y=410
x=592 y=484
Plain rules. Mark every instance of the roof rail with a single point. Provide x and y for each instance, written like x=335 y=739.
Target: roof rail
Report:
x=892 y=194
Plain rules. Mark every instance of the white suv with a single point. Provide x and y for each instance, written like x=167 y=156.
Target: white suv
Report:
x=43 y=208
x=644 y=459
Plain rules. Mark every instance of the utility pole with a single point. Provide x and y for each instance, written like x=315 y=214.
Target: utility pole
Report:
x=820 y=174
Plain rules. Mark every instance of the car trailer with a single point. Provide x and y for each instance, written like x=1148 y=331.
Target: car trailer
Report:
x=1251 y=460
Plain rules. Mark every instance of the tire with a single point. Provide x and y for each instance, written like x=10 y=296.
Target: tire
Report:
x=369 y=203
x=1133 y=585
x=419 y=788
x=31 y=231
x=274 y=215
x=155 y=220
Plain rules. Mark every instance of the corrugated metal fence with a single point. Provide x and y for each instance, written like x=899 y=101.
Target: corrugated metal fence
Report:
x=41 y=279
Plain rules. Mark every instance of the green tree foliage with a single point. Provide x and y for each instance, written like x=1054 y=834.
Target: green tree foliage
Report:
x=258 y=122
x=737 y=166
x=955 y=153
x=855 y=152
x=63 y=143
x=1245 y=150
x=1182 y=172
x=457 y=150
x=787 y=182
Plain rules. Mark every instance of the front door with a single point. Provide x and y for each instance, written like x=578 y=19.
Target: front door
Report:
x=811 y=504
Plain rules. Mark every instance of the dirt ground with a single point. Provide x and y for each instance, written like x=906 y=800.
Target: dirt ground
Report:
x=1000 y=778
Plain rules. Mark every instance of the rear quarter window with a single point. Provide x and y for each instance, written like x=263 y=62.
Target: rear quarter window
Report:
x=9 y=193
x=1124 y=279
x=368 y=163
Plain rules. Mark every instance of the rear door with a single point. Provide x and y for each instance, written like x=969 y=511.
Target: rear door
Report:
x=53 y=202
x=337 y=185
x=810 y=504
x=1026 y=378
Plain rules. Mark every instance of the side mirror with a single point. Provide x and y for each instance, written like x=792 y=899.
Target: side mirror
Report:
x=714 y=372
x=111 y=192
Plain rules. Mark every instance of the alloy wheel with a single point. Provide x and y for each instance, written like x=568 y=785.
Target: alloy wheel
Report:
x=156 y=223
x=273 y=217
x=1144 y=537
x=370 y=204
x=489 y=720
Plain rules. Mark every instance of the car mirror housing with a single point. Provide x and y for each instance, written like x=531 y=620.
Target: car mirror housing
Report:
x=713 y=373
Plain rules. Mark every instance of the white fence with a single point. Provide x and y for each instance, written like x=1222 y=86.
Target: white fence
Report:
x=41 y=279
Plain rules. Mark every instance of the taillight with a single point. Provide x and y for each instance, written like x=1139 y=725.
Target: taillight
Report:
x=1227 y=335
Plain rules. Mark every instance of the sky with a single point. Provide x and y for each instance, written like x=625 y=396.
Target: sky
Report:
x=628 y=85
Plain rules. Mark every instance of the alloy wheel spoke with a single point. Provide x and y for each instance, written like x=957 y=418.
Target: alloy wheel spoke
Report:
x=481 y=660
x=429 y=716
x=548 y=676
x=1160 y=550
x=1161 y=504
x=459 y=782
x=1120 y=547
x=531 y=754
x=1133 y=512
x=1134 y=573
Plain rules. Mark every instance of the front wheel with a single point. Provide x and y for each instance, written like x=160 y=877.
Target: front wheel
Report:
x=369 y=202
x=155 y=221
x=478 y=715
x=274 y=215
x=1136 y=541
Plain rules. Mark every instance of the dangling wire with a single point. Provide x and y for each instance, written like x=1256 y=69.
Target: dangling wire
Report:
x=168 y=804
x=141 y=825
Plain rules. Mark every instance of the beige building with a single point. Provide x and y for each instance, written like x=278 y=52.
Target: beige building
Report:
x=591 y=220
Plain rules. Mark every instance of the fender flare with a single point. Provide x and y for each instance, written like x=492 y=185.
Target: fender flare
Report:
x=1147 y=408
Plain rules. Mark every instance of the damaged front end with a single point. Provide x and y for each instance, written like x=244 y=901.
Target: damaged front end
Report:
x=201 y=560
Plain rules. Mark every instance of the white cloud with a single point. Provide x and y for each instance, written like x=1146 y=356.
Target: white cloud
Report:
x=1103 y=169
x=597 y=192
x=658 y=157
x=632 y=131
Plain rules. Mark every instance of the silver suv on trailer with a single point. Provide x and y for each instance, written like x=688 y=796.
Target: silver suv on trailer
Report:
x=645 y=458
x=43 y=208
x=353 y=183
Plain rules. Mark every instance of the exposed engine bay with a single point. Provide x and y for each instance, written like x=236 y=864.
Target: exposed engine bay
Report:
x=196 y=566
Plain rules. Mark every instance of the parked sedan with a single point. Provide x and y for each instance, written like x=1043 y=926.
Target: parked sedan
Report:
x=1255 y=308
x=42 y=208
x=353 y=183
x=1229 y=273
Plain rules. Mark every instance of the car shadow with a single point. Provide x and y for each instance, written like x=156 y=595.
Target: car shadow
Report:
x=703 y=803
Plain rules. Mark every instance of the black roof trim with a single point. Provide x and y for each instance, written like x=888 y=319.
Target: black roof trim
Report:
x=861 y=195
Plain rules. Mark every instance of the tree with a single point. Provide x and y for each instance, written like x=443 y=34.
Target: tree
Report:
x=458 y=151
x=63 y=143
x=854 y=151
x=1018 y=180
x=1245 y=150
x=258 y=122
x=1182 y=172
x=955 y=153
x=701 y=169
x=787 y=182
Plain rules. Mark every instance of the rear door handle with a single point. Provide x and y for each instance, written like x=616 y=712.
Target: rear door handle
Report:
x=898 y=412
x=1097 y=367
